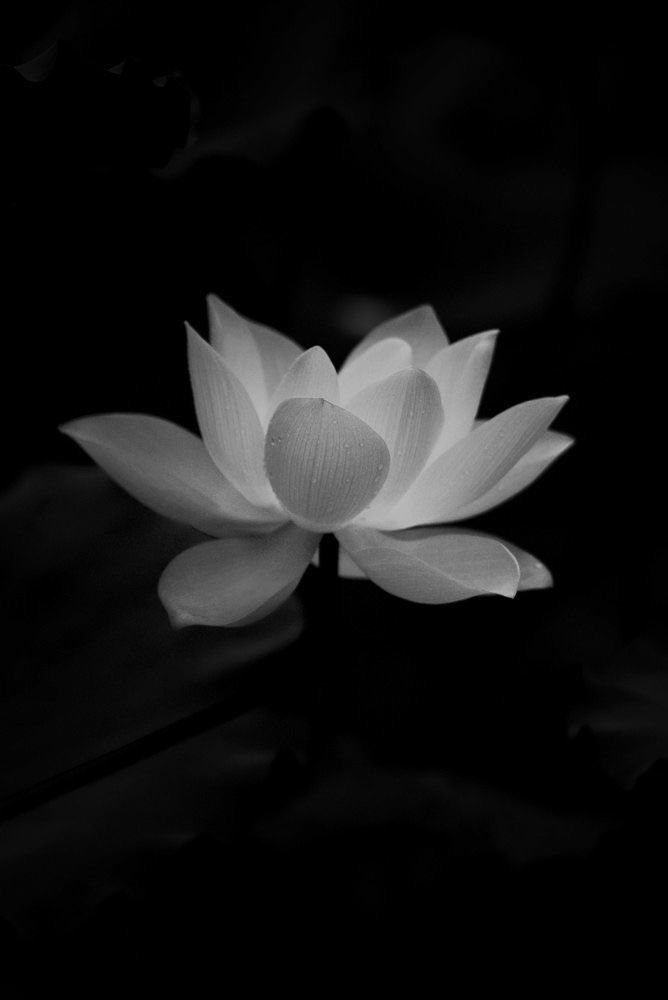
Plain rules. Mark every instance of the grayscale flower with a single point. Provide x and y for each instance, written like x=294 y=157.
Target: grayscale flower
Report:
x=387 y=454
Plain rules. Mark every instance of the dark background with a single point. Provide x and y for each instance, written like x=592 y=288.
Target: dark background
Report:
x=322 y=166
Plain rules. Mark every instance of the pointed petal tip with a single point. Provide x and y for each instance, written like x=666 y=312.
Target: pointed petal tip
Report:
x=76 y=429
x=212 y=300
x=192 y=335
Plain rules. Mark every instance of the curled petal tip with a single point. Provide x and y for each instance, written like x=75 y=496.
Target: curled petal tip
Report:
x=536 y=576
x=178 y=619
x=508 y=588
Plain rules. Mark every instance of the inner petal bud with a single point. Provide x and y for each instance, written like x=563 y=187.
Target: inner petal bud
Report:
x=324 y=464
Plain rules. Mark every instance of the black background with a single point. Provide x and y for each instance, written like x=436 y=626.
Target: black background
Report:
x=321 y=167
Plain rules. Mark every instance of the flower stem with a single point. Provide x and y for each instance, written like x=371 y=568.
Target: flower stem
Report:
x=329 y=561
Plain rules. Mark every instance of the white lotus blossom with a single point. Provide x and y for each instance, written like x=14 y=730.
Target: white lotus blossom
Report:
x=386 y=454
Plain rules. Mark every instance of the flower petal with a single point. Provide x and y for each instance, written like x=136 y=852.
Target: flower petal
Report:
x=231 y=337
x=228 y=421
x=420 y=329
x=234 y=580
x=168 y=469
x=277 y=352
x=325 y=464
x=405 y=409
x=474 y=465
x=311 y=376
x=379 y=361
x=258 y=355
x=460 y=372
x=432 y=565
x=536 y=460
x=534 y=575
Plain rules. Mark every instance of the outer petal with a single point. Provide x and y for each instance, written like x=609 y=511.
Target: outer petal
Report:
x=325 y=464
x=232 y=581
x=311 y=376
x=534 y=575
x=168 y=469
x=420 y=329
x=541 y=455
x=460 y=372
x=258 y=355
x=377 y=362
x=405 y=409
x=228 y=420
x=231 y=337
x=433 y=566
x=277 y=352
x=474 y=465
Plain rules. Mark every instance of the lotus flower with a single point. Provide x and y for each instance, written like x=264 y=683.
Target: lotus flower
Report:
x=385 y=454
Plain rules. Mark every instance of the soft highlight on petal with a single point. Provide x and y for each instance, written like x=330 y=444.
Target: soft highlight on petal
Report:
x=405 y=409
x=311 y=376
x=169 y=470
x=231 y=337
x=534 y=575
x=325 y=464
x=532 y=465
x=432 y=565
x=474 y=465
x=377 y=362
x=277 y=352
x=236 y=580
x=228 y=421
x=460 y=372
x=420 y=329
